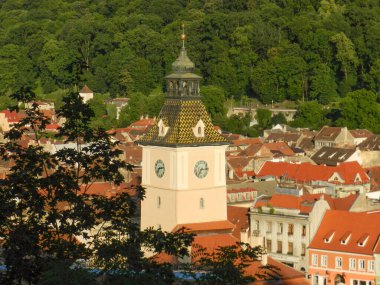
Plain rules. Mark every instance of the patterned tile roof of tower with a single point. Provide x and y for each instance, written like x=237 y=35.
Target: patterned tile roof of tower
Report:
x=181 y=117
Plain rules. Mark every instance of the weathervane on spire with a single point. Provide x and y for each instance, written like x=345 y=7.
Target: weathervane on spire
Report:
x=183 y=36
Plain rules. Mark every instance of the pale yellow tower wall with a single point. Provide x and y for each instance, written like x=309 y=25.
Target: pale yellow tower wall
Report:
x=175 y=198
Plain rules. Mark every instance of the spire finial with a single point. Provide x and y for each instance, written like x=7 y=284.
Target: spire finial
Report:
x=183 y=36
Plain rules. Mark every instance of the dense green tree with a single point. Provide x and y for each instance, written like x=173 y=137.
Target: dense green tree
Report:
x=269 y=49
x=310 y=115
x=46 y=206
x=278 y=119
x=322 y=84
x=227 y=265
x=213 y=97
x=346 y=56
x=137 y=107
x=280 y=77
x=155 y=101
x=359 y=109
x=263 y=118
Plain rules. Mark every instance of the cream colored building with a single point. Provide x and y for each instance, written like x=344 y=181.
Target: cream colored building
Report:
x=287 y=231
x=183 y=159
x=86 y=93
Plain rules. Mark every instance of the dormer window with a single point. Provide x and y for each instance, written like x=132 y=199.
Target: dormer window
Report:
x=199 y=129
x=162 y=129
x=329 y=236
x=363 y=240
x=358 y=178
x=322 y=154
x=345 y=238
x=331 y=155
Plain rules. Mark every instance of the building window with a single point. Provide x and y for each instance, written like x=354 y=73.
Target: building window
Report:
x=290 y=229
x=304 y=230
x=352 y=264
x=280 y=228
x=338 y=262
x=199 y=131
x=314 y=259
x=303 y=250
x=361 y=264
x=269 y=227
x=279 y=246
x=324 y=260
x=158 y=202
x=315 y=280
x=361 y=282
x=269 y=245
x=371 y=265
x=290 y=248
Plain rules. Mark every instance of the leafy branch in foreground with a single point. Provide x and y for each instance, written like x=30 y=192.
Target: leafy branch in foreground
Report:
x=49 y=214
x=235 y=264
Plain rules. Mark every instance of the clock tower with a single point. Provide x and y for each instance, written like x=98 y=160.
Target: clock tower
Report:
x=183 y=162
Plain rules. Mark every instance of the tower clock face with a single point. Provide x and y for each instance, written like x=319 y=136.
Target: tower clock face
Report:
x=159 y=168
x=201 y=169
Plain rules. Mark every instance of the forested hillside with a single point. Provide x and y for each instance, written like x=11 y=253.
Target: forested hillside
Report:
x=267 y=49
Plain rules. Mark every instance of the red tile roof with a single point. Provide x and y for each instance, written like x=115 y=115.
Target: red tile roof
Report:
x=361 y=133
x=106 y=189
x=13 y=116
x=143 y=123
x=306 y=172
x=305 y=203
x=279 y=148
x=284 y=275
x=52 y=126
x=212 y=242
x=247 y=141
x=328 y=133
x=85 y=89
x=364 y=228
x=238 y=216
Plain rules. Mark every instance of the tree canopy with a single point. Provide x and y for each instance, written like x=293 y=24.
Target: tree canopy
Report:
x=271 y=50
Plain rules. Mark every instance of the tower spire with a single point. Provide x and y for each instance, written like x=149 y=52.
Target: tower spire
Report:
x=183 y=35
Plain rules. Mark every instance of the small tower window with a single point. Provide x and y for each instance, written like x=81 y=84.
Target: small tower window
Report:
x=158 y=202
x=201 y=203
x=162 y=129
x=199 y=129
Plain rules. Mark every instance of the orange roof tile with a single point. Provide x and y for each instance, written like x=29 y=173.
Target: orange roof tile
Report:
x=238 y=216
x=306 y=172
x=212 y=242
x=279 y=148
x=247 y=141
x=305 y=203
x=364 y=228
x=85 y=89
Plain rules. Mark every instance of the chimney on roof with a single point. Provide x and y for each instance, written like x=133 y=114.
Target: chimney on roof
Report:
x=264 y=259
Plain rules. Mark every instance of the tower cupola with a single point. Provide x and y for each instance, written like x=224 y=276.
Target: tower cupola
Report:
x=183 y=82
